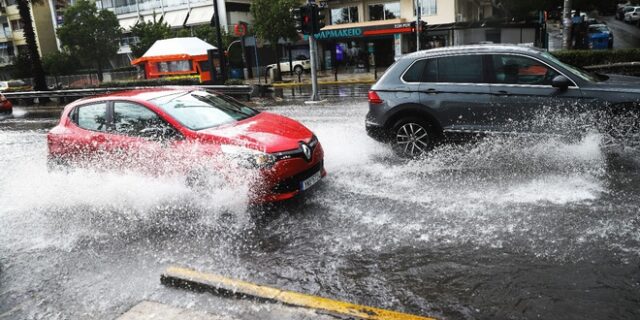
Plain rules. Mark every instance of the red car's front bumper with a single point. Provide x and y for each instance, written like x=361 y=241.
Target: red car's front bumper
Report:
x=284 y=180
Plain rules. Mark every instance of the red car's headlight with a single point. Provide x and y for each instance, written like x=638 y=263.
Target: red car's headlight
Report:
x=248 y=158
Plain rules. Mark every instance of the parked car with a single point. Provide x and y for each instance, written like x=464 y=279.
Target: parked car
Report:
x=14 y=85
x=5 y=105
x=300 y=64
x=633 y=15
x=620 y=12
x=600 y=37
x=191 y=131
x=440 y=94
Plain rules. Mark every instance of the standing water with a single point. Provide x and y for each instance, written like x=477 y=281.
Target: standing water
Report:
x=501 y=228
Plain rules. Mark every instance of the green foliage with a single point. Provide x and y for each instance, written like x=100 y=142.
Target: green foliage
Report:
x=583 y=58
x=89 y=34
x=148 y=32
x=59 y=63
x=234 y=82
x=186 y=81
x=272 y=19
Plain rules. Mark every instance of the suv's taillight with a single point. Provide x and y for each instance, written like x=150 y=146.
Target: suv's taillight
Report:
x=374 y=98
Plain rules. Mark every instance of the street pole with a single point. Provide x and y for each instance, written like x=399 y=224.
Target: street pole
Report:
x=314 y=68
x=223 y=64
x=567 y=24
x=418 y=14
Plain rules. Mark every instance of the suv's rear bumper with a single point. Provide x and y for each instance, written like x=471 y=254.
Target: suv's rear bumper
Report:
x=375 y=130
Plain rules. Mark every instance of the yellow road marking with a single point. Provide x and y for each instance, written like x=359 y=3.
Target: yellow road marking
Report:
x=174 y=275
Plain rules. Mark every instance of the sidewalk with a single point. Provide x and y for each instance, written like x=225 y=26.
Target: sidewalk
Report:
x=327 y=77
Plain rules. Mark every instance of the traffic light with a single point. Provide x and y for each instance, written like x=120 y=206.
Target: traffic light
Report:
x=318 y=19
x=298 y=18
x=302 y=19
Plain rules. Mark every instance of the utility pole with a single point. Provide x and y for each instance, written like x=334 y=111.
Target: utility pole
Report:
x=418 y=14
x=216 y=24
x=317 y=23
x=567 y=24
x=314 y=68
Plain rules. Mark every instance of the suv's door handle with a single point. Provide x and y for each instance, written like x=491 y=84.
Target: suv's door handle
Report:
x=432 y=91
x=501 y=93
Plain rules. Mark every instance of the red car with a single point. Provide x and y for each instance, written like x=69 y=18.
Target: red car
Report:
x=189 y=130
x=5 y=105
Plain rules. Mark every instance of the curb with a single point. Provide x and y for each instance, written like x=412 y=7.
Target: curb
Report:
x=197 y=281
x=298 y=84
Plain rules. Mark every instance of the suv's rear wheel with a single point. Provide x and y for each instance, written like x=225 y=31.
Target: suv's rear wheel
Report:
x=413 y=137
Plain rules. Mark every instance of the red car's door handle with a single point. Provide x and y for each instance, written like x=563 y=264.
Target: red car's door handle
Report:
x=99 y=139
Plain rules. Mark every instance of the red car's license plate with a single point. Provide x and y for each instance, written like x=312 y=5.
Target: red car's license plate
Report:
x=306 y=184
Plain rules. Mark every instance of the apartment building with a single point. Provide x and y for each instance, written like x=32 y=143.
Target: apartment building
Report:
x=357 y=28
x=12 y=38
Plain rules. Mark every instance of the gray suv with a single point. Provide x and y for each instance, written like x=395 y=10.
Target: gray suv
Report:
x=457 y=92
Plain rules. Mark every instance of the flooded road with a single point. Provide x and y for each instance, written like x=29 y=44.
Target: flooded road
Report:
x=503 y=228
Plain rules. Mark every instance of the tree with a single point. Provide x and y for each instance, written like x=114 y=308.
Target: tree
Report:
x=208 y=34
x=272 y=21
x=148 y=33
x=59 y=63
x=39 y=81
x=91 y=35
x=22 y=66
x=518 y=9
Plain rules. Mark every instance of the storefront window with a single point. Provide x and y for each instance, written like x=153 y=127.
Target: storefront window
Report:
x=344 y=15
x=384 y=11
x=174 y=66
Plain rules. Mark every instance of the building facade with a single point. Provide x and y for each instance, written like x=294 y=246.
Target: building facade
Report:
x=357 y=28
x=12 y=40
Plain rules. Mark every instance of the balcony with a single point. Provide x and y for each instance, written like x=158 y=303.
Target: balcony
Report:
x=150 y=5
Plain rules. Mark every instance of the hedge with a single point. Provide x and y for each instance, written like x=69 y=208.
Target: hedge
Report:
x=177 y=81
x=583 y=58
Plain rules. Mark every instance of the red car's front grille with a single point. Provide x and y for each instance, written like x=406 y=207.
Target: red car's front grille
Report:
x=292 y=184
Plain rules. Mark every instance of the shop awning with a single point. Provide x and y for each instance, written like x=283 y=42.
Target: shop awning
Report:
x=176 y=18
x=200 y=15
x=126 y=24
x=175 y=48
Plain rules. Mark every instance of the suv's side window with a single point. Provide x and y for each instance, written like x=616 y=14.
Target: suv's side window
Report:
x=509 y=69
x=91 y=117
x=461 y=69
x=135 y=120
x=414 y=73
x=424 y=70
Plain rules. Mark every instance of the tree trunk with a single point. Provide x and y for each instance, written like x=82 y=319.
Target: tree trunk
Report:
x=99 y=67
x=278 y=76
x=39 y=81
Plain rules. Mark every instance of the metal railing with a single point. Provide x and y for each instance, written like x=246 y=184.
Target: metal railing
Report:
x=237 y=91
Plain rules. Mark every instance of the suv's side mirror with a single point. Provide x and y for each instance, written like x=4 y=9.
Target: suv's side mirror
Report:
x=561 y=82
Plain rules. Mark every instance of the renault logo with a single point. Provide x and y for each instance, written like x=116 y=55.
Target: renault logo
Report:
x=306 y=150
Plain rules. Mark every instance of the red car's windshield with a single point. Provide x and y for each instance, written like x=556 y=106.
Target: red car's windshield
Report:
x=199 y=110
